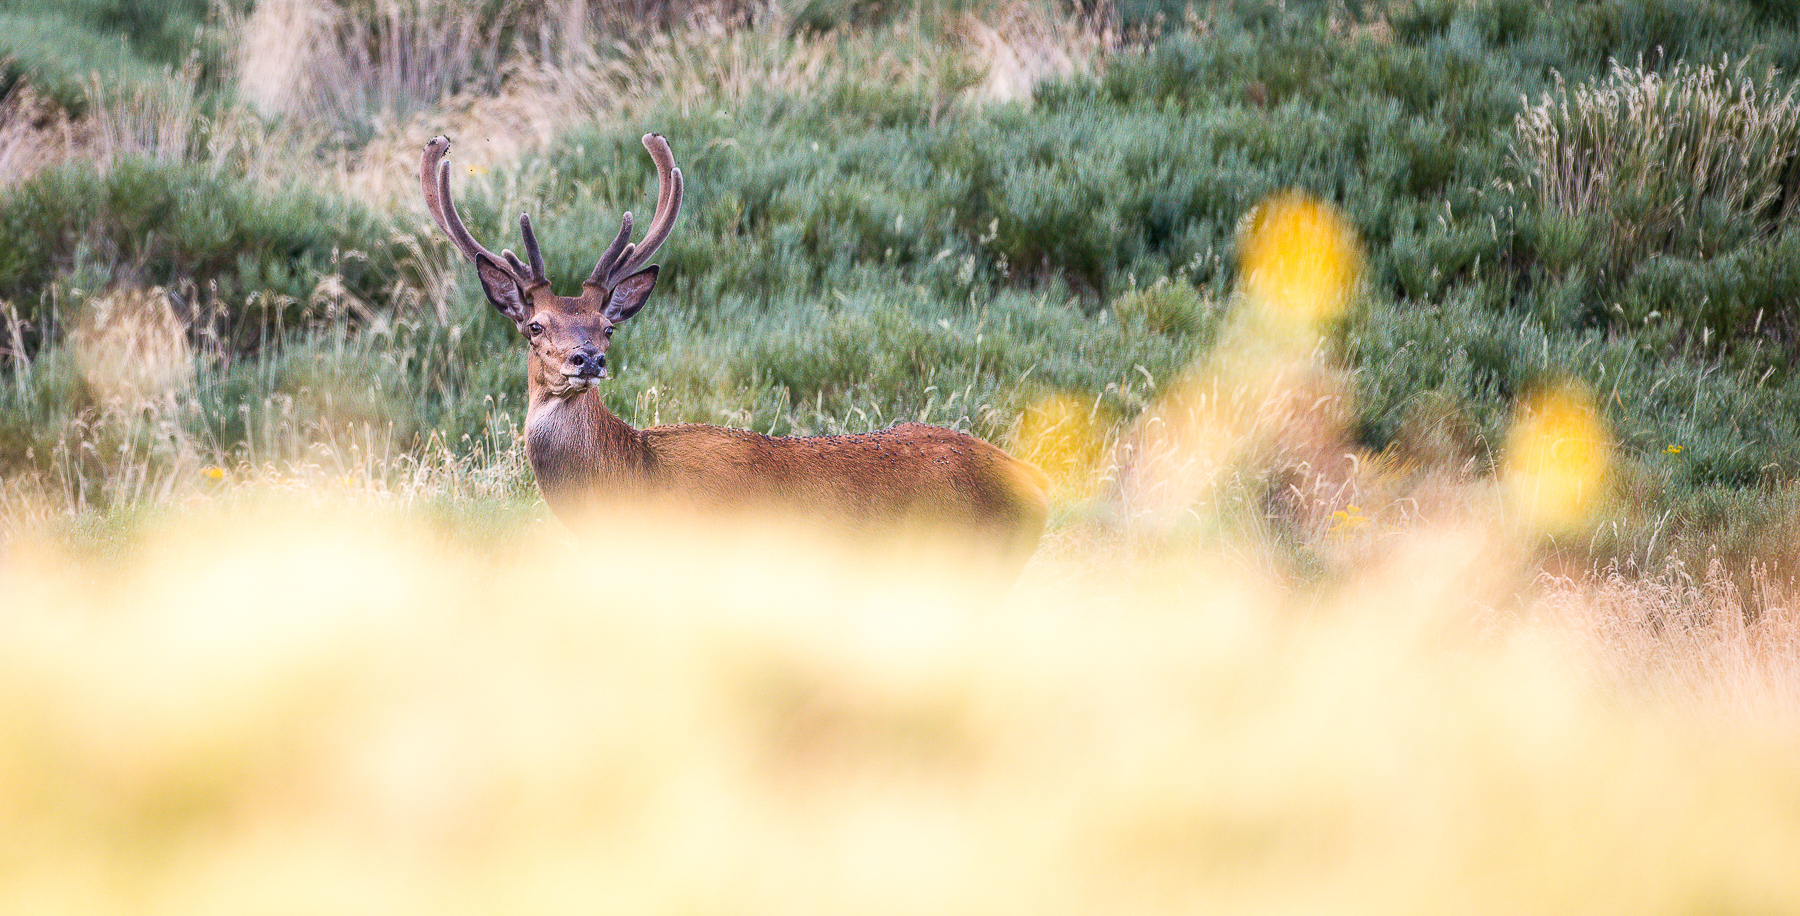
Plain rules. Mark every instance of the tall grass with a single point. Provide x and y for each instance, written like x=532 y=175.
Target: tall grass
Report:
x=347 y=64
x=148 y=401
x=1688 y=162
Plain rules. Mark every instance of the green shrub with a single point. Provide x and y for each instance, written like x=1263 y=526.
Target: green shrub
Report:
x=866 y=250
x=65 y=46
x=150 y=223
x=1732 y=423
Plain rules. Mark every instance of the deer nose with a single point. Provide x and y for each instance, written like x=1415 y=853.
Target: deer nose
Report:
x=588 y=361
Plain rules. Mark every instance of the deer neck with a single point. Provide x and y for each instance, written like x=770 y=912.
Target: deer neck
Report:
x=579 y=449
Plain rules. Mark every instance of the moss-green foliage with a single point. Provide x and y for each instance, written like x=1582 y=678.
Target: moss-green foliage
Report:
x=161 y=223
x=1732 y=426
x=63 y=46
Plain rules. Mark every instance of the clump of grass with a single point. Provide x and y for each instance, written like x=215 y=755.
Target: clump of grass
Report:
x=1689 y=140
x=347 y=64
x=32 y=132
x=1691 y=164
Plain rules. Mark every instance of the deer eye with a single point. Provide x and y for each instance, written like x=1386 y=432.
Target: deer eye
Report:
x=535 y=329
x=609 y=332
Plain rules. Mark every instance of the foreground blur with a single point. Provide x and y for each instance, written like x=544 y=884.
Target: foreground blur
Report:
x=316 y=712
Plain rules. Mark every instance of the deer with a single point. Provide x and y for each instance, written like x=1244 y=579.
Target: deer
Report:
x=584 y=455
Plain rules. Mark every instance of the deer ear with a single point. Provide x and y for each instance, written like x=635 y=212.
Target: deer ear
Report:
x=630 y=295
x=501 y=286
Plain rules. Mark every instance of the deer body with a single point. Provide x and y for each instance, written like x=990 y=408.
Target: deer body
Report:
x=583 y=454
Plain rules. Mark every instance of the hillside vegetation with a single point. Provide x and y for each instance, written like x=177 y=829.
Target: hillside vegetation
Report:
x=955 y=212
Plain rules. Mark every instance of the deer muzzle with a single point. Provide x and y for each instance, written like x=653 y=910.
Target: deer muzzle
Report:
x=586 y=363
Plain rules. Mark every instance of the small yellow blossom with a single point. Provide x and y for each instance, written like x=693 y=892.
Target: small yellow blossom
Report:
x=1673 y=450
x=1346 y=521
x=213 y=472
x=478 y=170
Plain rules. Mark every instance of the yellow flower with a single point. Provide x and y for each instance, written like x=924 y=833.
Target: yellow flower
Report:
x=1061 y=435
x=1346 y=521
x=213 y=472
x=1557 y=455
x=1299 y=261
x=1673 y=450
x=478 y=170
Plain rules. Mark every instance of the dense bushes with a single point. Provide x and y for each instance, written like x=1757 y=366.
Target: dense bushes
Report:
x=149 y=223
x=68 y=47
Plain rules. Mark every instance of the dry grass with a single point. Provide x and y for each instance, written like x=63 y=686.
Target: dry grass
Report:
x=33 y=133
x=125 y=456
x=163 y=123
x=1699 y=150
x=322 y=61
x=1697 y=644
x=121 y=421
x=1027 y=46
x=344 y=92
x=716 y=61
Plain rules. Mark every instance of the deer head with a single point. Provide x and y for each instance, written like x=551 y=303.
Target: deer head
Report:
x=568 y=335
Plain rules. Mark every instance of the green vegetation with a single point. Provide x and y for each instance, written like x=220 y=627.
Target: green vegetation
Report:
x=1600 y=190
x=167 y=224
x=70 y=48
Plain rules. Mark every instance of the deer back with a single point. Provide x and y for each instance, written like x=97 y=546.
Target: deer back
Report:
x=910 y=472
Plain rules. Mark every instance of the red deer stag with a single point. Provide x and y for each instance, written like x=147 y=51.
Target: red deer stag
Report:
x=582 y=452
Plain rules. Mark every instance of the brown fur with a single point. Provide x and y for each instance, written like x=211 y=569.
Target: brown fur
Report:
x=911 y=474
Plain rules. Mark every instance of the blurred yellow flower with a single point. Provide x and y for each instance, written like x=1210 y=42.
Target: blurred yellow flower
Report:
x=1061 y=435
x=213 y=472
x=1557 y=455
x=1298 y=260
x=478 y=170
x=1673 y=450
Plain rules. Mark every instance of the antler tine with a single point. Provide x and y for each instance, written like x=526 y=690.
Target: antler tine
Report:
x=613 y=252
x=668 y=204
x=442 y=205
x=531 y=250
x=428 y=179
